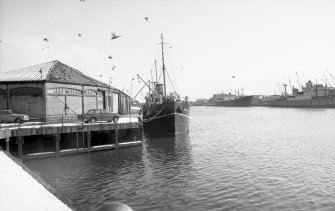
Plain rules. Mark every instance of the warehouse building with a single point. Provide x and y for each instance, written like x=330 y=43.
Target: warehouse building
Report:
x=54 y=90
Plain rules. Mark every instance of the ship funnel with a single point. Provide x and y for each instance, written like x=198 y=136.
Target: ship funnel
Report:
x=159 y=88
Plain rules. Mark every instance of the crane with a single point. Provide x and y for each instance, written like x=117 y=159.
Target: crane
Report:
x=298 y=80
x=289 y=81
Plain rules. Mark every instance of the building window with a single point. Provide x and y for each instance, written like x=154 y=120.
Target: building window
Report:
x=90 y=92
x=64 y=91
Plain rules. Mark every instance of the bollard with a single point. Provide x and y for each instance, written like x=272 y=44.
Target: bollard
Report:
x=114 y=206
x=82 y=120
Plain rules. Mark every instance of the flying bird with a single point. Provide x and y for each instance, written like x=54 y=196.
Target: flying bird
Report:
x=79 y=35
x=233 y=76
x=110 y=57
x=146 y=19
x=113 y=67
x=46 y=40
x=114 y=36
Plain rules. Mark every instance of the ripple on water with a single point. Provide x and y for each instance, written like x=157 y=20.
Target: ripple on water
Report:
x=232 y=159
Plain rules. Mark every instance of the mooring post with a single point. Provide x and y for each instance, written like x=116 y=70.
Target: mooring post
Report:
x=7 y=144
x=116 y=136
x=77 y=140
x=57 y=139
x=88 y=135
x=83 y=139
x=19 y=145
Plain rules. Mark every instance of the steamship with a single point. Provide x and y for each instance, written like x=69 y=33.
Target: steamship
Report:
x=164 y=114
x=310 y=96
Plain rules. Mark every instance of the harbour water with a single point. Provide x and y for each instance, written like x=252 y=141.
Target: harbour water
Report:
x=254 y=158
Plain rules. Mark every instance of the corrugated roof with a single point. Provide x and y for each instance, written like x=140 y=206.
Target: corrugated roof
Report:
x=33 y=73
x=54 y=71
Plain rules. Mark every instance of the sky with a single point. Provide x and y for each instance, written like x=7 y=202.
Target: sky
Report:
x=213 y=46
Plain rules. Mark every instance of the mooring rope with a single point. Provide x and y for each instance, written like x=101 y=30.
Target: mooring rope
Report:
x=153 y=117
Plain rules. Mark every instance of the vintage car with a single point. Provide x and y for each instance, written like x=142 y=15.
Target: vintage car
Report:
x=10 y=116
x=94 y=115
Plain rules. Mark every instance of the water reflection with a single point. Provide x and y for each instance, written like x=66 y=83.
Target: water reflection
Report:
x=233 y=158
x=142 y=177
x=169 y=170
x=172 y=148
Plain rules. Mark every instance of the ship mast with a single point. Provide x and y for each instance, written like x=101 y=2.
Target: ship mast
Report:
x=162 y=43
x=156 y=70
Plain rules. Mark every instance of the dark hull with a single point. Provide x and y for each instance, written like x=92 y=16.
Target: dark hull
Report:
x=168 y=118
x=240 y=102
x=318 y=102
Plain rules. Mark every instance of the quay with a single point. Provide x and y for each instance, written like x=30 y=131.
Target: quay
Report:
x=22 y=189
x=55 y=95
x=36 y=140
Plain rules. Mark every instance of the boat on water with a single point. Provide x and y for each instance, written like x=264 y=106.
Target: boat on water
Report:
x=310 y=96
x=229 y=100
x=164 y=114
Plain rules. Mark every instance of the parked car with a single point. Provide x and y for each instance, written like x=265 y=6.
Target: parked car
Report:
x=11 y=116
x=94 y=115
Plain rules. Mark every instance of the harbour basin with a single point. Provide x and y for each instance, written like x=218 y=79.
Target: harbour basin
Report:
x=254 y=158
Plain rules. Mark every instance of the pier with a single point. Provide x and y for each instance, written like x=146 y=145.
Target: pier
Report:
x=54 y=97
x=35 y=140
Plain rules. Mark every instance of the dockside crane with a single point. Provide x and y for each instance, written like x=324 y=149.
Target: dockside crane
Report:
x=332 y=78
x=327 y=82
x=280 y=89
x=298 y=80
x=289 y=81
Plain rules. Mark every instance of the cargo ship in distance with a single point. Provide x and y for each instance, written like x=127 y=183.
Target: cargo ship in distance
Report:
x=164 y=114
x=310 y=96
x=229 y=100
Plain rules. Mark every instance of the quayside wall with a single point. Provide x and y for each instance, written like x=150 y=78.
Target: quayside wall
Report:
x=36 y=141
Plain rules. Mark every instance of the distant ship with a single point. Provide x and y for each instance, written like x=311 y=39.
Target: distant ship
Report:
x=164 y=114
x=310 y=96
x=229 y=100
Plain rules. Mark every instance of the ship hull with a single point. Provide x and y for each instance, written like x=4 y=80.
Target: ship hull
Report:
x=168 y=118
x=240 y=102
x=317 y=102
